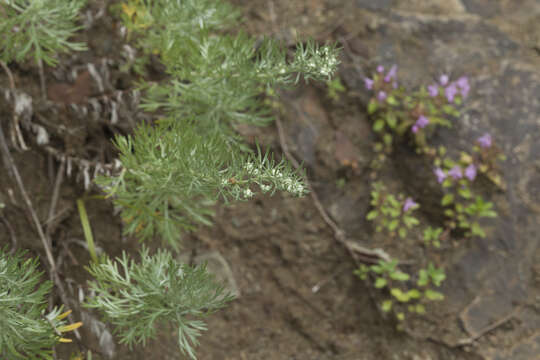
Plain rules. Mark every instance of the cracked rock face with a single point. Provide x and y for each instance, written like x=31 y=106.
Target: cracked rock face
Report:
x=490 y=283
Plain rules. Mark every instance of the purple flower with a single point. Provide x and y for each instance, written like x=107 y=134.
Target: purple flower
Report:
x=369 y=83
x=380 y=69
x=395 y=85
x=433 y=90
x=470 y=172
x=451 y=92
x=485 y=141
x=441 y=175
x=422 y=121
x=381 y=96
x=463 y=84
x=409 y=203
x=455 y=172
x=443 y=80
x=391 y=74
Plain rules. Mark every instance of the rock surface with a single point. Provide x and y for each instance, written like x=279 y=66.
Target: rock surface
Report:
x=493 y=299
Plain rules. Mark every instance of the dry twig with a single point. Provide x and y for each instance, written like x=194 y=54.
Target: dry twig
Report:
x=13 y=172
x=357 y=252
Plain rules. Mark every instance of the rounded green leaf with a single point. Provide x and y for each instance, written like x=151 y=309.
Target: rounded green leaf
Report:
x=386 y=305
x=399 y=295
x=380 y=283
x=414 y=294
x=433 y=295
x=399 y=276
x=372 y=215
x=378 y=125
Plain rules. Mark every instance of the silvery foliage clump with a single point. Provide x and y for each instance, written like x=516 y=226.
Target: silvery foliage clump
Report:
x=176 y=169
x=27 y=329
x=38 y=28
x=139 y=298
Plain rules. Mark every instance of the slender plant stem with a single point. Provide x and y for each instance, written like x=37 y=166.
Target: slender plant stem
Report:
x=14 y=172
x=9 y=75
x=42 y=80
x=87 y=229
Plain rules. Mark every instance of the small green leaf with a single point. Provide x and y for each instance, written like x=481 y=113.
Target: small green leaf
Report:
x=410 y=221
x=423 y=278
x=414 y=294
x=402 y=232
x=380 y=283
x=394 y=212
x=399 y=276
x=438 y=278
x=442 y=150
x=372 y=215
x=465 y=193
x=387 y=139
x=420 y=309
x=400 y=316
x=372 y=107
x=391 y=120
x=399 y=295
x=477 y=230
x=433 y=295
x=378 y=125
x=447 y=199
x=449 y=212
x=464 y=224
x=361 y=273
x=393 y=224
x=489 y=213
x=392 y=100
x=448 y=163
x=428 y=234
x=448 y=109
x=386 y=305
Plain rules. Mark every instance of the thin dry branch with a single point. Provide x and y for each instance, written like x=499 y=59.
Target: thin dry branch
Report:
x=357 y=252
x=13 y=172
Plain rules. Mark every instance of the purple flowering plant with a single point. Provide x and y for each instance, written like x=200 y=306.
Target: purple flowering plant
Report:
x=390 y=212
x=463 y=208
x=487 y=154
x=402 y=296
x=397 y=112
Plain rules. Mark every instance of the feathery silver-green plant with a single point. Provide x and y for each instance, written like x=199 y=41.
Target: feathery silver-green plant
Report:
x=174 y=171
x=38 y=28
x=27 y=330
x=139 y=297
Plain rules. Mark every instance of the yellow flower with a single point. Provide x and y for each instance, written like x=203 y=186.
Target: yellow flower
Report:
x=66 y=328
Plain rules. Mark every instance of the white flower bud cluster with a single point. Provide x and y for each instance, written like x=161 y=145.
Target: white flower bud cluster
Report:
x=265 y=188
x=283 y=182
x=248 y=193
x=323 y=62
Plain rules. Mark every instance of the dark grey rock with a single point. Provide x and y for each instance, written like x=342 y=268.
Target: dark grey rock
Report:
x=489 y=280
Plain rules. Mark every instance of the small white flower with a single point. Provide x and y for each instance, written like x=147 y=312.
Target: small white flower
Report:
x=265 y=188
x=248 y=193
